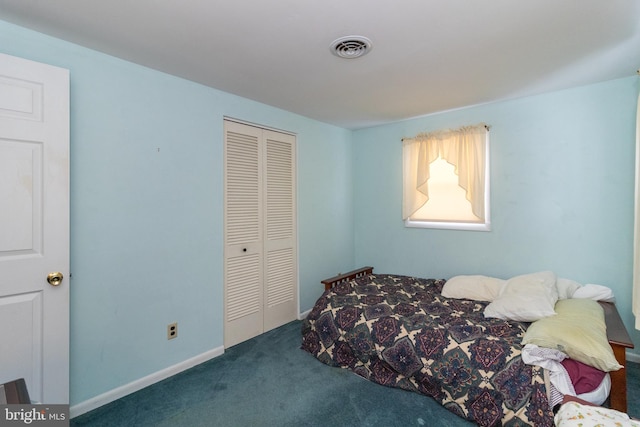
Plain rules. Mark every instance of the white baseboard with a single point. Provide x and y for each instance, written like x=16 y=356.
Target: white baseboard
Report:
x=119 y=392
x=304 y=315
x=633 y=357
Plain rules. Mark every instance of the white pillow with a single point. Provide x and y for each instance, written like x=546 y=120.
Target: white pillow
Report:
x=566 y=288
x=480 y=288
x=526 y=298
x=595 y=292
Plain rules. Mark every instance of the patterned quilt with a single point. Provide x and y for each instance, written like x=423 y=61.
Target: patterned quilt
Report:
x=400 y=331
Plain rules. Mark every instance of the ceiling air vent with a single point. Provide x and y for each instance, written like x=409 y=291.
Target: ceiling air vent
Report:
x=351 y=47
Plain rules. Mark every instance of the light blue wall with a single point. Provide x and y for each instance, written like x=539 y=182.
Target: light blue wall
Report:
x=562 y=192
x=146 y=210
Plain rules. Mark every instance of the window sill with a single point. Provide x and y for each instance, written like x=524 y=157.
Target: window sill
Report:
x=468 y=226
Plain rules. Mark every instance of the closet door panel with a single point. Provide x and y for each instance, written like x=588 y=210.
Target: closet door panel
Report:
x=244 y=295
x=260 y=231
x=280 y=303
x=243 y=299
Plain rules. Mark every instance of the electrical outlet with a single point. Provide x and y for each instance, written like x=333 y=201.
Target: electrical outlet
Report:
x=172 y=331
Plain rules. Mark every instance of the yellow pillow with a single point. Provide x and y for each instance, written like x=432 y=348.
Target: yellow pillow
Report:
x=578 y=330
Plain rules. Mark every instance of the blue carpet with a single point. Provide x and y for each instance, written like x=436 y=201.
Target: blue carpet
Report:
x=269 y=381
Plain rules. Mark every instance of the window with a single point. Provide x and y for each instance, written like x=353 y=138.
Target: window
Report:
x=446 y=179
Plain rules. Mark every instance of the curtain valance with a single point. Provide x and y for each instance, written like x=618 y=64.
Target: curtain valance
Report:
x=464 y=148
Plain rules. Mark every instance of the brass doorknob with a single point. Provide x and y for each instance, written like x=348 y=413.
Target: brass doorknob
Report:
x=55 y=278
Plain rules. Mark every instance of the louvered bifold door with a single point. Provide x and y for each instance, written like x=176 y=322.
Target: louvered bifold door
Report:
x=243 y=251
x=280 y=303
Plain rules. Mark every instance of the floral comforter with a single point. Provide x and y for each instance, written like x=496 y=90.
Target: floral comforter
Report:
x=401 y=332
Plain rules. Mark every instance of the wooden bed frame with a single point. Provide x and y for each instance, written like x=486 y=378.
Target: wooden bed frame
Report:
x=347 y=277
x=616 y=334
x=619 y=341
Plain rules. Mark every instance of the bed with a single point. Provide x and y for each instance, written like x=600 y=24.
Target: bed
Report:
x=400 y=331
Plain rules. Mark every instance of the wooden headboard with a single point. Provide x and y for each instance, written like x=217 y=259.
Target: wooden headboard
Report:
x=616 y=334
x=347 y=277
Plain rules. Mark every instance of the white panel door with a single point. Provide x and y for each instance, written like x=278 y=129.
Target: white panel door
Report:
x=34 y=227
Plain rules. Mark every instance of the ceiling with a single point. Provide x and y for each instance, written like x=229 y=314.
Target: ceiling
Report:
x=427 y=55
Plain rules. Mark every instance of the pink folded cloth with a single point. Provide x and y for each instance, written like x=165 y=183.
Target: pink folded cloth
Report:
x=584 y=378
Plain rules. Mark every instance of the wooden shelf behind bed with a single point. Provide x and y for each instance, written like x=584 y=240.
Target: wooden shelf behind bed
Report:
x=347 y=277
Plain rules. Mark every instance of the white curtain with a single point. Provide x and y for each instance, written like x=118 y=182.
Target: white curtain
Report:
x=636 y=239
x=464 y=148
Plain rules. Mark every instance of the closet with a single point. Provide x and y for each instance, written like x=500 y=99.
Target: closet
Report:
x=260 y=242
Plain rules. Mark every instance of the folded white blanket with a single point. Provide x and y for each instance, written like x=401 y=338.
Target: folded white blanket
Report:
x=595 y=292
x=550 y=359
